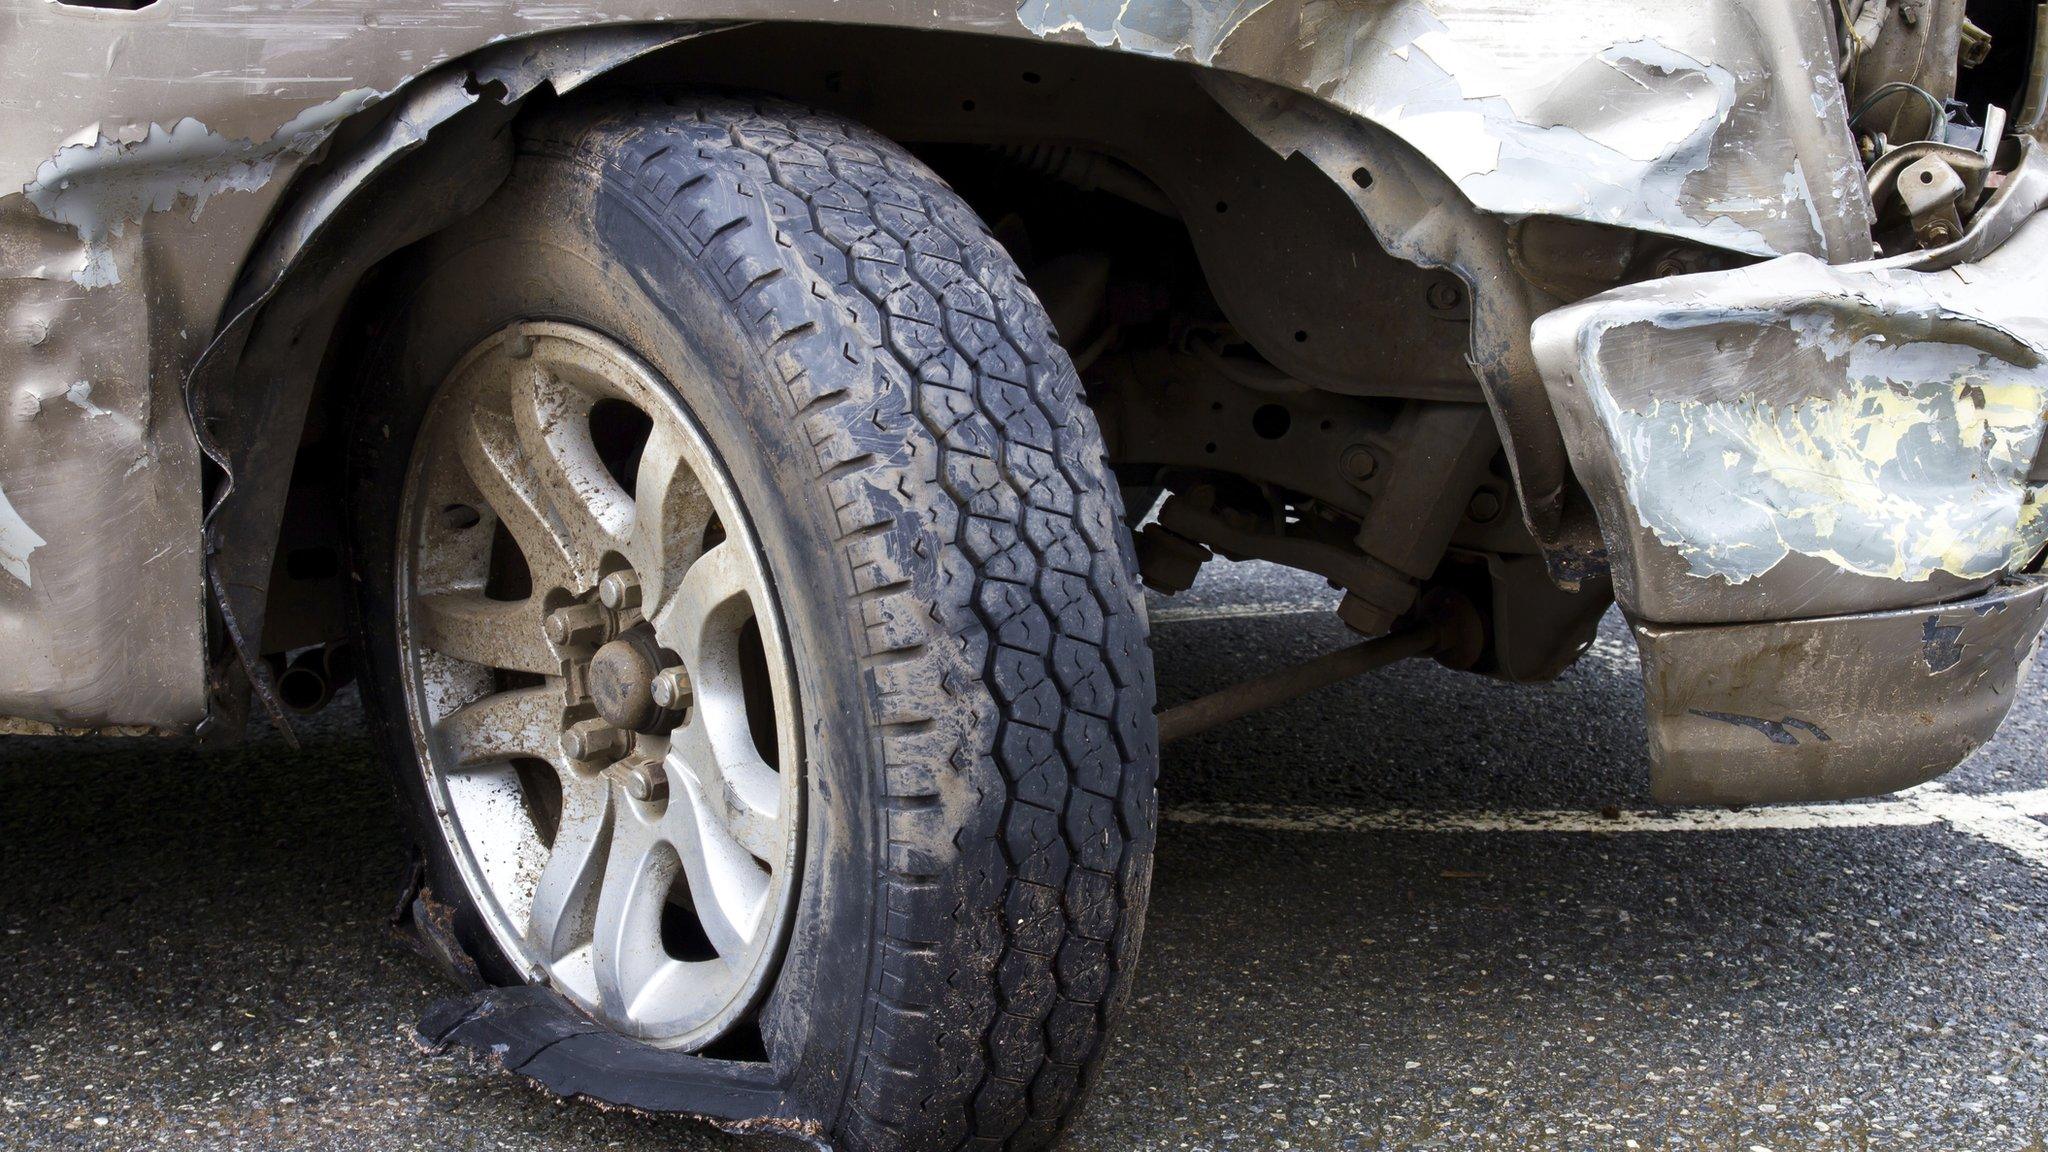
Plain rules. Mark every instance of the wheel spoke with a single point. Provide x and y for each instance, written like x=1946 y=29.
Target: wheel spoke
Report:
x=552 y=422
x=498 y=727
x=728 y=889
x=745 y=794
x=495 y=633
x=670 y=514
x=753 y=798
x=626 y=949
x=710 y=594
x=563 y=899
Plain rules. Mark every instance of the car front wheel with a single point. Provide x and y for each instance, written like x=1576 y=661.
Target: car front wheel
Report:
x=751 y=623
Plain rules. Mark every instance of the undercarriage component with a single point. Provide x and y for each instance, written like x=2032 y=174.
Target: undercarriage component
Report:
x=1367 y=492
x=1448 y=628
x=1836 y=707
x=1167 y=560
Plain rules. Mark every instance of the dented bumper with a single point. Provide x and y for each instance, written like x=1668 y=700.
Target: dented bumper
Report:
x=1791 y=461
x=1834 y=707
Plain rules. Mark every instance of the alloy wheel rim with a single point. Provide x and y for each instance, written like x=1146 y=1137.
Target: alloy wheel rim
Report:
x=600 y=688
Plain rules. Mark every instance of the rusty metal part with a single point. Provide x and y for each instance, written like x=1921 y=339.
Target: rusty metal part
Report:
x=1922 y=48
x=1929 y=188
x=2033 y=110
x=1449 y=628
x=1836 y=707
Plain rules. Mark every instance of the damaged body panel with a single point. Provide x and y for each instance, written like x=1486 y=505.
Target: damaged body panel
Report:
x=1789 y=459
x=1834 y=707
x=1794 y=439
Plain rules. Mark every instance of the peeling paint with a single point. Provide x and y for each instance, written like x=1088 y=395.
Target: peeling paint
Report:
x=1190 y=30
x=1613 y=139
x=1905 y=462
x=1941 y=645
x=17 y=540
x=101 y=187
x=1877 y=420
x=1785 y=732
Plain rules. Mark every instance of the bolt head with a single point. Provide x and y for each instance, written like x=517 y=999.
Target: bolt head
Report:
x=644 y=779
x=671 y=689
x=576 y=624
x=591 y=740
x=1484 y=507
x=619 y=591
x=1358 y=463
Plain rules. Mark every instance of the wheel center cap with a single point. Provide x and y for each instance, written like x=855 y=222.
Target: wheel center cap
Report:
x=621 y=678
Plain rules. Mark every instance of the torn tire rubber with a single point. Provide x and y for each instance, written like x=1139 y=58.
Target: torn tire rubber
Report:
x=930 y=493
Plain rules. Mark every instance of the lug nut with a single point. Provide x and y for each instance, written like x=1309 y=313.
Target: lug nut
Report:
x=619 y=591
x=578 y=624
x=642 y=778
x=592 y=740
x=671 y=689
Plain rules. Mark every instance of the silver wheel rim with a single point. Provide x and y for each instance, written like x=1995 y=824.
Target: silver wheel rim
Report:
x=642 y=865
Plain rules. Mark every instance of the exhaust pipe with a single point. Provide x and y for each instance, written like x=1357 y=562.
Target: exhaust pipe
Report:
x=308 y=683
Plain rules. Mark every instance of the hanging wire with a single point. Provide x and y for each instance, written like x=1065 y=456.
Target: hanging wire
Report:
x=1937 y=123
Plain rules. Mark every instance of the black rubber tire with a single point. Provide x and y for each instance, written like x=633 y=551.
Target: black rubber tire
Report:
x=933 y=499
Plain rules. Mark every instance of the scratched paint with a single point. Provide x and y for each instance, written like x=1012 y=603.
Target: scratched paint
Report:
x=1614 y=139
x=102 y=188
x=1625 y=114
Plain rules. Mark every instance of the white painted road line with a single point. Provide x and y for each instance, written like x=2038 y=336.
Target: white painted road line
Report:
x=1241 y=611
x=2004 y=819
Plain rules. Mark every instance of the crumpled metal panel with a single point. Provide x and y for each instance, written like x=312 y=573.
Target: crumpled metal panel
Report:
x=1792 y=439
x=1717 y=122
x=1832 y=708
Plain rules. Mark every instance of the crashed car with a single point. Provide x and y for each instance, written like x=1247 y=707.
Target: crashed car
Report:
x=728 y=442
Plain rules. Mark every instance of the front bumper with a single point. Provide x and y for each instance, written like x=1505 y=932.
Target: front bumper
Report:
x=1791 y=462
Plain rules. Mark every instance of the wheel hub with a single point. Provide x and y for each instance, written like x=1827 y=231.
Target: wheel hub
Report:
x=621 y=679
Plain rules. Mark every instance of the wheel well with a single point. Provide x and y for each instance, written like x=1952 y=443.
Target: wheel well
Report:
x=1241 y=331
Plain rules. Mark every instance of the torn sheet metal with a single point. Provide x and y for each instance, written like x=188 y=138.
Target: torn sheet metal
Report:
x=1832 y=708
x=1719 y=123
x=104 y=187
x=1791 y=439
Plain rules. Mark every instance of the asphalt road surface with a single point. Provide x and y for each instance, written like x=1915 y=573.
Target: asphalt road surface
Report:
x=1419 y=910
